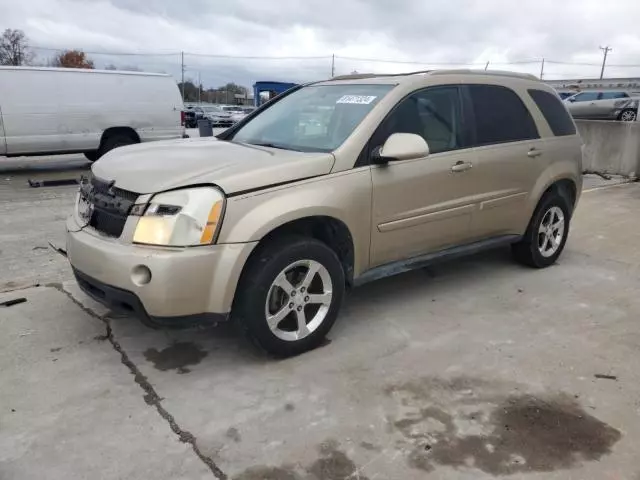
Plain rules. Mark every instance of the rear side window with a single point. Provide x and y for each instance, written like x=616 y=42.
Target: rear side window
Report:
x=612 y=95
x=554 y=113
x=500 y=115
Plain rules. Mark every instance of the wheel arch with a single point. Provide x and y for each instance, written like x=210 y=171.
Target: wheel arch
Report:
x=566 y=184
x=113 y=131
x=327 y=229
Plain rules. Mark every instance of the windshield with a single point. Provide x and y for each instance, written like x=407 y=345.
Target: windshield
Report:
x=316 y=118
x=211 y=109
x=232 y=109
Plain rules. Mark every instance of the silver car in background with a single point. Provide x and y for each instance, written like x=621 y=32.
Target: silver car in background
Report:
x=604 y=105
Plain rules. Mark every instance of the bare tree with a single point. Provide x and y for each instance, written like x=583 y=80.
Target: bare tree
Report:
x=13 y=48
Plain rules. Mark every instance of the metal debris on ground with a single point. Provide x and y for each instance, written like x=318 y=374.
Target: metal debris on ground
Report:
x=52 y=183
x=12 y=302
x=602 y=175
x=61 y=251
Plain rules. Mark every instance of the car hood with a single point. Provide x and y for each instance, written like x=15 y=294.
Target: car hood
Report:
x=234 y=167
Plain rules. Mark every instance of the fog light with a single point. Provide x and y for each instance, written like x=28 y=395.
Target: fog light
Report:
x=140 y=275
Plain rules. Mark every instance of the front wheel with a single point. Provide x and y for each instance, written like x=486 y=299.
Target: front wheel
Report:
x=290 y=295
x=546 y=234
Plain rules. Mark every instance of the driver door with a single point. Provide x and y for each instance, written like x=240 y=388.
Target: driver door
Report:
x=424 y=205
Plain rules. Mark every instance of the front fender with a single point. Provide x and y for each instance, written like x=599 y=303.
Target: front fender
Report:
x=345 y=196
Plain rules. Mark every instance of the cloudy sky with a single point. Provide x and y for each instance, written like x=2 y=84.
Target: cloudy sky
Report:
x=431 y=33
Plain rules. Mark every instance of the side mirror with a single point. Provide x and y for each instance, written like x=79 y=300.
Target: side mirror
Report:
x=402 y=146
x=571 y=99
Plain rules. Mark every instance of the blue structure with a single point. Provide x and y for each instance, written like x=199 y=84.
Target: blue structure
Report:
x=273 y=88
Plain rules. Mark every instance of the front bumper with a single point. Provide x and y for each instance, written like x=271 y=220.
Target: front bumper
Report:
x=188 y=285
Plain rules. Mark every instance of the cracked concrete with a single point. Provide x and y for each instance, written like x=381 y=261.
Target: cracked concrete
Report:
x=68 y=408
x=151 y=397
x=434 y=374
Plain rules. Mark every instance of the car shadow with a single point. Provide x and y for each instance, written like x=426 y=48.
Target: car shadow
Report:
x=225 y=345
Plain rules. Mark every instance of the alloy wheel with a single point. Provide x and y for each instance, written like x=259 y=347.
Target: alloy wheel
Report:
x=298 y=300
x=551 y=232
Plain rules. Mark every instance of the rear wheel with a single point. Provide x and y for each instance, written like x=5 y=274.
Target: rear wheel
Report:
x=290 y=295
x=628 y=115
x=114 y=141
x=546 y=235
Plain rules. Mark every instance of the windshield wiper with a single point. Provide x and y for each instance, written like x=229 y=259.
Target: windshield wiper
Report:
x=275 y=145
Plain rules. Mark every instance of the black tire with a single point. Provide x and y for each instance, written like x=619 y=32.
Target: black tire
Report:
x=626 y=113
x=527 y=250
x=257 y=279
x=91 y=156
x=114 y=141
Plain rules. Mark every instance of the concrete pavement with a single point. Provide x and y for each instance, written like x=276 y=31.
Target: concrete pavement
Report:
x=468 y=370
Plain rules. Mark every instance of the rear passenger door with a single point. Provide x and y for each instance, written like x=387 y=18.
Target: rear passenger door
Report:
x=509 y=157
x=606 y=106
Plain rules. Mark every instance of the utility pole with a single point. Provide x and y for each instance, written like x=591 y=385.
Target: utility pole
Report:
x=333 y=65
x=486 y=66
x=606 y=50
x=182 y=69
x=542 y=69
x=199 y=87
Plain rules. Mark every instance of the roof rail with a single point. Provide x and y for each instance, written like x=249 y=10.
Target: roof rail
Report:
x=497 y=73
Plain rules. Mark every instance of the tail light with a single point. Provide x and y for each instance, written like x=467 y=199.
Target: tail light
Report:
x=182 y=118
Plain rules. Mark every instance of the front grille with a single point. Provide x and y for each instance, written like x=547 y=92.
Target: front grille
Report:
x=111 y=206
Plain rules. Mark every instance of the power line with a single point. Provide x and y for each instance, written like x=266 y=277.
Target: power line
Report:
x=140 y=54
x=339 y=57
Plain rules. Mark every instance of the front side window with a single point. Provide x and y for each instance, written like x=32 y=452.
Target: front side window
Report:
x=585 y=97
x=500 y=116
x=433 y=113
x=317 y=118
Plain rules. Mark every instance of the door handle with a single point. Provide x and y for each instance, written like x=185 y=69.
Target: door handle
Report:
x=534 y=152
x=461 y=167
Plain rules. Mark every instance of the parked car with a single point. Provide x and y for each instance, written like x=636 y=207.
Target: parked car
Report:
x=269 y=224
x=190 y=118
x=603 y=105
x=564 y=95
x=68 y=110
x=216 y=114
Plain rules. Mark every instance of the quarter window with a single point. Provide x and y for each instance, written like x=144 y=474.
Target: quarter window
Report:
x=554 y=112
x=500 y=116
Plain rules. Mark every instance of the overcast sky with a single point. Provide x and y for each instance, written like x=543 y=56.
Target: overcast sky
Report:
x=436 y=31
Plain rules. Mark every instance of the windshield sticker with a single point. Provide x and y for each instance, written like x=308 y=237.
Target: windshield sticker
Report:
x=357 y=99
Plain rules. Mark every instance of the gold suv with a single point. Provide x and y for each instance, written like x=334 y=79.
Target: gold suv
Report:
x=325 y=187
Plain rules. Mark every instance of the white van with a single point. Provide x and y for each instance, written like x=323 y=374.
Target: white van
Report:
x=66 y=110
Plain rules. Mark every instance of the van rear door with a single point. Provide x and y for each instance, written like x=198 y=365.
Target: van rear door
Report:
x=3 y=142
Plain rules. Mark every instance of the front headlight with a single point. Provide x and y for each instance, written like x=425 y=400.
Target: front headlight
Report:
x=180 y=218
